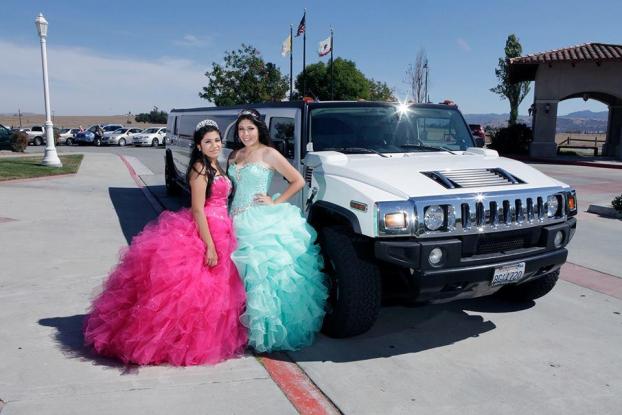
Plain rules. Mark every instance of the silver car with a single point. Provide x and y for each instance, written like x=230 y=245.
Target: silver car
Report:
x=121 y=137
x=151 y=137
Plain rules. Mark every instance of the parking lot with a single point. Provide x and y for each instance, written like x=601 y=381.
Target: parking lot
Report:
x=558 y=355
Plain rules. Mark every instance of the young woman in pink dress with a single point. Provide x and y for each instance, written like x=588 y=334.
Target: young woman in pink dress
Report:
x=176 y=297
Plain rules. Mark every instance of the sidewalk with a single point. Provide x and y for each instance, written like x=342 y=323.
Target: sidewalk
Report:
x=59 y=239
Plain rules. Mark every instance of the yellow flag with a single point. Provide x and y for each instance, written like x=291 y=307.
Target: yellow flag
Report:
x=286 y=48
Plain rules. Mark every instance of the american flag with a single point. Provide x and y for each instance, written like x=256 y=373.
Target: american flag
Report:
x=301 y=26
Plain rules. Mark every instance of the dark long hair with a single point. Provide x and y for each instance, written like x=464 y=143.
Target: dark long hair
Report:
x=197 y=156
x=253 y=116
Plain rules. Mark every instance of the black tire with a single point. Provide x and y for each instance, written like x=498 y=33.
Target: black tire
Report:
x=97 y=141
x=154 y=142
x=170 y=179
x=355 y=288
x=530 y=290
x=121 y=142
x=38 y=141
x=68 y=142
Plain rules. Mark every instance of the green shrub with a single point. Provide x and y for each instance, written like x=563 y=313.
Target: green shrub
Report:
x=617 y=203
x=514 y=139
x=19 y=141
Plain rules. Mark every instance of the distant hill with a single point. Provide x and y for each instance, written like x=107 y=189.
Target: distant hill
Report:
x=575 y=122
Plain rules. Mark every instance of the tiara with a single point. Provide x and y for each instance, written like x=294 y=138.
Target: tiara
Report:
x=251 y=112
x=207 y=123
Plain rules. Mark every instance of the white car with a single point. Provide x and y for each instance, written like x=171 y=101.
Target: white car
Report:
x=36 y=135
x=405 y=204
x=67 y=136
x=151 y=137
x=121 y=137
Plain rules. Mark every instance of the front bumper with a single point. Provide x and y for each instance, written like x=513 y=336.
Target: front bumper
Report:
x=464 y=272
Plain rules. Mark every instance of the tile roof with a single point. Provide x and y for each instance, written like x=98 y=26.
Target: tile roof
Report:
x=588 y=52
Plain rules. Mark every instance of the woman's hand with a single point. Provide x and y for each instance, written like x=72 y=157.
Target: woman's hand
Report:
x=211 y=259
x=262 y=199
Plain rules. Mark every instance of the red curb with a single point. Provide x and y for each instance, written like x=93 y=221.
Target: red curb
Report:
x=306 y=397
x=152 y=201
x=594 y=280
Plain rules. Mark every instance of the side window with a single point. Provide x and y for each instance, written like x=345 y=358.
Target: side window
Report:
x=282 y=135
x=175 y=126
x=230 y=141
x=37 y=128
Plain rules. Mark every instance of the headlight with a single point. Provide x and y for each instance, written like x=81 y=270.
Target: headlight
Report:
x=434 y=217
x=395 y=218
x=552 y=206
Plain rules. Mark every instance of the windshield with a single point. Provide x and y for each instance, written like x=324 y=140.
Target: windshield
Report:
x=64 y=130
x=121 y=130
x=111 y=128
x=150 y=131
x=385 y=129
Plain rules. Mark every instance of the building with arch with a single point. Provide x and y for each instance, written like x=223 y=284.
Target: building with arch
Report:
x=588 y=71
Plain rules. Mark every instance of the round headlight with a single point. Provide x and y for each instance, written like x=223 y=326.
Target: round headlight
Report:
x=552 y=206
x=434 y=217
x=436 y=256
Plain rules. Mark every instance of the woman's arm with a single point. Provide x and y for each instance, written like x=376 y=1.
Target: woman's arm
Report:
x=198 y=185
x=279 y=163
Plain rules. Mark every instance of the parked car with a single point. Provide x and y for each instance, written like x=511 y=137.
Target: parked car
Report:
x=36 y=135
x=95 y=134
x=5 y=136
x=151 y=137
x=67 y=136
x=479 y=134
x=121 y=137
x=404 y=203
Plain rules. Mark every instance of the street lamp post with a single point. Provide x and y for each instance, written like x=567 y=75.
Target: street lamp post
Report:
x=50 y=158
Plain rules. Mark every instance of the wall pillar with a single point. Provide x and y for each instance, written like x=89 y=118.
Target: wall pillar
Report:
x=613 y=145
x=545 y=120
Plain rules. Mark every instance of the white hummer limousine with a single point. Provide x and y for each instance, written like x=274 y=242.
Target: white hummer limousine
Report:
x=405 y=204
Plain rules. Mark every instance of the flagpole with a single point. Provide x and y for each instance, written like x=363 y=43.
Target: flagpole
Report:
x=332 y=78
x=304 y=57
x=291 y=59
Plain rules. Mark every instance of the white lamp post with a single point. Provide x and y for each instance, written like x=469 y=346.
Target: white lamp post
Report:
x=50 y=158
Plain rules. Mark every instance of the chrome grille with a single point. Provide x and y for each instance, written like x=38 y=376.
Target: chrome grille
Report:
x=489 y=212
x=466 y=178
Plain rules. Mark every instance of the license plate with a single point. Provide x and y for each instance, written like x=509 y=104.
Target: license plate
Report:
x=508 y=274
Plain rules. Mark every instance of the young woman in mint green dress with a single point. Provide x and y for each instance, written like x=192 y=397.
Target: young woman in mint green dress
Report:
x=276 y=256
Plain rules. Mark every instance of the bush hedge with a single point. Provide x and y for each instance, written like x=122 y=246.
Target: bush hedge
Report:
x=514 y=139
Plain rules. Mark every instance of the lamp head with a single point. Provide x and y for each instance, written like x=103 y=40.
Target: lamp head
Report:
x=42 y=25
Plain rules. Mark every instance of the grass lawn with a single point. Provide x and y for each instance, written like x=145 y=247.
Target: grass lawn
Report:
x=27 y=167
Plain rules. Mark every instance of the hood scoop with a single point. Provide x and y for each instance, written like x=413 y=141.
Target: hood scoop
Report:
x=454 y=179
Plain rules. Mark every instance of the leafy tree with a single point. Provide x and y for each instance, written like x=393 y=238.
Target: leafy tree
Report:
x=516 y=92
x=155 y=116
x=349 y=84
x=244 y=79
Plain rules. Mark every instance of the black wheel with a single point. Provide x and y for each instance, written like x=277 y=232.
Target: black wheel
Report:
x=38 y=141
x=69 y=142
x=154 y=142
x=121 y=142
x=97 y=141
x=355 y=288
x=170 y=179
x=530 y=290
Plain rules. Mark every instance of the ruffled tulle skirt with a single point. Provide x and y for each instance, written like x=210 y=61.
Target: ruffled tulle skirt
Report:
x=161 y=304
x=281 y=267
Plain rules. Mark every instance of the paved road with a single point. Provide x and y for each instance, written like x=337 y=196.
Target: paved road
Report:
x=559 y=355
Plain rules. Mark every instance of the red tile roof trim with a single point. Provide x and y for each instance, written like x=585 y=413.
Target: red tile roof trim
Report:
x=588 y=52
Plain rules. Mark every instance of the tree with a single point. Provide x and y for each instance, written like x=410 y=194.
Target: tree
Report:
x=417 y=78
x=154 y=117
x=244 y=79
x=349 y=83
x=516 y=92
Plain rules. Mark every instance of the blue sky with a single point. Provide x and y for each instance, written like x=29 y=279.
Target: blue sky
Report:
x=111 y=57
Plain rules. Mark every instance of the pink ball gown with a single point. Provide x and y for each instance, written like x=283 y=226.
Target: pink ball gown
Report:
x=161 y=304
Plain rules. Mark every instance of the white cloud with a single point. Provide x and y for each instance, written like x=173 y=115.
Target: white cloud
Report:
x=83 y=82
x=193 y=41
x=463 y=44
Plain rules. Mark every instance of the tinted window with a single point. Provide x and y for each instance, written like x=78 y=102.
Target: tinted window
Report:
x=387 y=130
x=282 y=135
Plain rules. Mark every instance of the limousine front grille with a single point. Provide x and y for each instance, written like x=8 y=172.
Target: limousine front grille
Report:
x=491 y=212
x=465 y=178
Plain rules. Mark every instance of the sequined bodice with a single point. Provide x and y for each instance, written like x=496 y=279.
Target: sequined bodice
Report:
x=249 y=179
x=221 y=187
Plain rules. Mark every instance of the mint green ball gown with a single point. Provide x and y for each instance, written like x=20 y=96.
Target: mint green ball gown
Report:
x=279 y=263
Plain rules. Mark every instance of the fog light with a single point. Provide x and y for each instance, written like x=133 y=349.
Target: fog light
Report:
x=559 y=239
x=436 y=256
